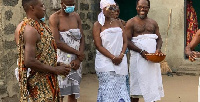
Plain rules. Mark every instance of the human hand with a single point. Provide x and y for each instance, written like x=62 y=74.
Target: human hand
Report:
x=197 y=54
x=75 y=64
x=193 y=55
x=117 y=60
x=81 y=56
x=158 y=52
x=143 y=54
x=62 y=69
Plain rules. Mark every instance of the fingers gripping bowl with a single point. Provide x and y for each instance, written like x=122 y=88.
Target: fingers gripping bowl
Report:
x=156 y=58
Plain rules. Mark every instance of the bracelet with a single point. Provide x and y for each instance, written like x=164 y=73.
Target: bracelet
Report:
x=141 y=51
x=113 y=58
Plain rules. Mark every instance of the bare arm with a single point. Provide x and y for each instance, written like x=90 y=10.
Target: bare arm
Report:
x=98 y=42
x=125 y=42
x=81 y=56
x=189 y=48
x=82 y=43
x=53 y=22
x=195 y=41
x=159 y=39
x=31 y=37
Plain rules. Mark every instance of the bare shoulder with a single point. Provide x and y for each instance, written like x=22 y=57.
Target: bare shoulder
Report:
x=19 y=27
x=30 y=31
x=54 y=17
x=97 y=24
x=131 y=21
x=76 y=15
x=17 y=31
x=153 y=21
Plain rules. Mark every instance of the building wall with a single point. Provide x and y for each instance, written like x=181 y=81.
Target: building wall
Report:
x=159 y=11
x=11 y=14
x=88 y=10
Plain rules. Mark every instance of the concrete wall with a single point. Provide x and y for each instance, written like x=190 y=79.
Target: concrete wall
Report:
x=159 y=11
x=88 y=10
x=11 y=14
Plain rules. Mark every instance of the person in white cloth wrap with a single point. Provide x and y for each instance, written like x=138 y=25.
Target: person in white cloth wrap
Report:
x=66 y=27
x=110 y=63
x=143 y=38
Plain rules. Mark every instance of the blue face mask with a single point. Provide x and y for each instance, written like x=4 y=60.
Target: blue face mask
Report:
x=42 y=19
x=69 y=9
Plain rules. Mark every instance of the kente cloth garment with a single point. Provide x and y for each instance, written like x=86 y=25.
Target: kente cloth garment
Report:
x=112 y=40
x=71 y=83
x=39 y=86
x=17 y=72
x=112 y=87
x=145 y=76
x=191 y=22
x=103 y=4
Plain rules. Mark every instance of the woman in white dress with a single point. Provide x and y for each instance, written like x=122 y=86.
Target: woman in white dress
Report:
x=110 y=63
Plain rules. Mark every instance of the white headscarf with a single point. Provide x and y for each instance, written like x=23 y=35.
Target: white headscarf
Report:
x=103 y=4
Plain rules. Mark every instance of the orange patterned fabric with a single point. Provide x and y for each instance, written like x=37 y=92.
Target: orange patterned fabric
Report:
x=191 y=20
x=39 y=86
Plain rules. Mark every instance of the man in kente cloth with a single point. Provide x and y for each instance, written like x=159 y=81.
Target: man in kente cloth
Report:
x=37 y=51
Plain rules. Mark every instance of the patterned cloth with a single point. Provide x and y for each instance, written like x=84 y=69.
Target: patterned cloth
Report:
x=128 y=84
x=145 y=76
x=41 y=86
x=112 y=78
x=191 y=20
x=71 y=84
x=112 y=87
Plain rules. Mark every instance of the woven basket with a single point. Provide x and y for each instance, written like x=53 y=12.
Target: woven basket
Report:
x=155 y=57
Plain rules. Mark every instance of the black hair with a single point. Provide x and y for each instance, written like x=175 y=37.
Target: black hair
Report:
x=27 y=3
x=139 y=0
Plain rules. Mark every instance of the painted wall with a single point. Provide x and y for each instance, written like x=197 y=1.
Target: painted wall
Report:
x=159 y=11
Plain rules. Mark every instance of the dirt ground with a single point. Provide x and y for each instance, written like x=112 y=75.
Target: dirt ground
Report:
x=177 y=88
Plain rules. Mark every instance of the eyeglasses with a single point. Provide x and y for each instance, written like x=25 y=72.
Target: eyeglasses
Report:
x=144 y=7
x=111 y=8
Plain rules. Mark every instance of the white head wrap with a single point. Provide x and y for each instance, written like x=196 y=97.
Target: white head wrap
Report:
x=103 y=4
